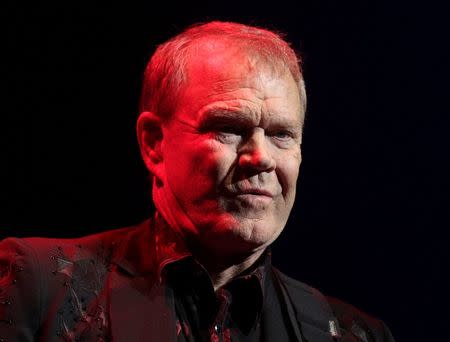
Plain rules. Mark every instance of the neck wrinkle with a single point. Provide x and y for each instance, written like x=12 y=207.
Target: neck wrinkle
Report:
x=221 y=269
x=223 y=272
x=163 y=207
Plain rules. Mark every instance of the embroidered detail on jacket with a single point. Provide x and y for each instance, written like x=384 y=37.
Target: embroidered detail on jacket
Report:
x=83 y=315
x=358 y=331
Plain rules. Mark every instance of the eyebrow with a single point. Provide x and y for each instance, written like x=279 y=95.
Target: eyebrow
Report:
x=220 y=115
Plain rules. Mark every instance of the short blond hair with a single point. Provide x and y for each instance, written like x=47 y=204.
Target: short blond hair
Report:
x=166 y=71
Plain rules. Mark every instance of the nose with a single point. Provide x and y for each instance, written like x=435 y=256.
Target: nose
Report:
x=255 y=153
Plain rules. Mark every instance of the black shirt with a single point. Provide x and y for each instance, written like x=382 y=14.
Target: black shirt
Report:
x=246 y=309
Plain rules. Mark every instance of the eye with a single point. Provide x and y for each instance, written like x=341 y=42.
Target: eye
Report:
x=227 y=133
x=282 y=135
x=228 y=129
x=283 y=138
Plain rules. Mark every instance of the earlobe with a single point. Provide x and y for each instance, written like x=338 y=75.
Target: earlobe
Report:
x=149 y=134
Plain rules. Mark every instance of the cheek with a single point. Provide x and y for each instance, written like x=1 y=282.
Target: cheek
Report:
x=196 y=170
x=288 y=171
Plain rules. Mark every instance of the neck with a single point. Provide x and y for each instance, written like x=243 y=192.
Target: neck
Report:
x=224 y=270
x=221 y=268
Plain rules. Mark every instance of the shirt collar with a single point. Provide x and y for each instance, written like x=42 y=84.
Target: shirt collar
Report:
x=153 y=244
x=171 y=248
x=245 y=295
x=255 y=280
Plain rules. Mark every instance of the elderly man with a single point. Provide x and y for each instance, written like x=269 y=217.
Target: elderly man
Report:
x=220 y=131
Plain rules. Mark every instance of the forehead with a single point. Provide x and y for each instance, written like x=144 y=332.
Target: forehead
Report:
x=221 y=59
x=214 y=60
x=220 y=76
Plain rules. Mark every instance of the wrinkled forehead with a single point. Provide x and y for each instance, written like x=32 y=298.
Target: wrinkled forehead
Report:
x=217 y=70
x=228 y=58
x=230 y=80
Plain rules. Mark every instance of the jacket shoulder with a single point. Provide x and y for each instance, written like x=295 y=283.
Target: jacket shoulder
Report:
x=312 y=305
x=51 y=253
x=45 y=281
x=69 y=256
x=359 y=323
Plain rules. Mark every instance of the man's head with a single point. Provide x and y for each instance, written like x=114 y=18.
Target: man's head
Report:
x=220 y=130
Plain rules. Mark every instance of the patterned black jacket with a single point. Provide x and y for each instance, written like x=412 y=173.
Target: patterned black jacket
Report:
x=104 y=287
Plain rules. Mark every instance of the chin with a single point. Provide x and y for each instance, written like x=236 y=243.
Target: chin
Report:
x=242 y=234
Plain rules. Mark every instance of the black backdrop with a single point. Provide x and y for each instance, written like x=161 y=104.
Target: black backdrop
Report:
x=370 y=222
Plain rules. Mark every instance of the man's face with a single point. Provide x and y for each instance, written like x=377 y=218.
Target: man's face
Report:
x=231 y=152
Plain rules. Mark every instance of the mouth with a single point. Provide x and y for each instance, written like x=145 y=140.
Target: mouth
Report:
x=254 y=192
x=254 y=198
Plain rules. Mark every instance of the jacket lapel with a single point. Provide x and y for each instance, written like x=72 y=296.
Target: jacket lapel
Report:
x=140 y=306
x=308 y=312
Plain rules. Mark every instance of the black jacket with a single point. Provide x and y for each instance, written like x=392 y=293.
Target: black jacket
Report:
x=104 y=287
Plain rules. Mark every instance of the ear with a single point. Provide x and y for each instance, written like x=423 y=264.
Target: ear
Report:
x=149 y=134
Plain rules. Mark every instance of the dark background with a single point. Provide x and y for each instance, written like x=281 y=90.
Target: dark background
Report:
x=371 y=218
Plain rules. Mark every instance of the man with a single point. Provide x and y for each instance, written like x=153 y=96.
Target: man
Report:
x=220 y=131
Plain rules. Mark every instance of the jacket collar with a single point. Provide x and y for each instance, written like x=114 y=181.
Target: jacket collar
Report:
x=134 y=253
x=136 y=294
x=149 y=247
x=140 y=307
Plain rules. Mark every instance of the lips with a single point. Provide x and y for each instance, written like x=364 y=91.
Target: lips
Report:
x=250 y=197
x=247 y=189
x=254 y=191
